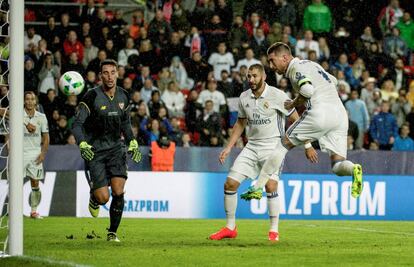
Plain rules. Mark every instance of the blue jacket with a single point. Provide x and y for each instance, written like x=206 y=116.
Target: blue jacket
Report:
x=403 y=144
x=358 y=113
x=383 y=126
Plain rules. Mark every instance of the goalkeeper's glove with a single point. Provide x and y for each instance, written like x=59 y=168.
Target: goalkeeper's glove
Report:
x=86 y=151
x=133 y=149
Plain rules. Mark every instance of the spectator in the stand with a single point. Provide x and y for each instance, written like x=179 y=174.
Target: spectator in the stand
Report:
x=51 y=35
x=31 y=38
x=304 y=45
x=111 y=50
x=211 y=93
x=156 y=104
x=406 y=27
x=103 y=35
x=259 y=43
x=225 y=84
x=363 y=44
x=90 y=52
x=90 y=81
x=179 y=73
x=401 y=107
x=324 y=50
x=73 y=64
x=102 y=20
x=374 y=59
x=215 y=32
x=284 y=12
x=383 y=128
x=344 y=89
x=176 y=133
x=317 y=18
x=71 y=44
x=191 y=111
x=255 y=22
x=343 y=65
x=197 y=68
x=238 y=36
x=89 y=11
x=94 y=64
x=202 y=13
x=194 y=42
x=394 y=46
x=312 y=56
x=349 y=13
x=289 y=39
x=410 y=94
x=69 y=109
x=144 y=74
x=159 y=30
x=126 y=52
x=398 y=75
x=175 y=47
x=403 y=142
x=119 y=29
x=64 y=28
x=221 y=60
x=164 y=77
x=61 y=134
x=147 y=89
x=275 y=33
x=186 y=140
x=208 y=123
x=341 y=42
x=138 y=24
x=389 y=17
x=179 y=20
x=358 y=113
x=248 y=60
x=134 y=102
x=86 y=31
x=225 y=11
x=31 y=80
x=357 y=69
x=240 y=81
x=410 y=121
x=48 y=75
x=388 y=92
x=174 y=100
x=50 y=103
x=147 y=56
x=370 y=95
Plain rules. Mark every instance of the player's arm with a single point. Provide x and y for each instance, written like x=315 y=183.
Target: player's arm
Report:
x=306 y=89
x=45 y=147
x=4 y=112
x=83 y=112
x=238 y=129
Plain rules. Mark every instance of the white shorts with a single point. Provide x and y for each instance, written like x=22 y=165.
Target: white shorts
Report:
x=250 y=161
x=326 y=124
x=31 y=169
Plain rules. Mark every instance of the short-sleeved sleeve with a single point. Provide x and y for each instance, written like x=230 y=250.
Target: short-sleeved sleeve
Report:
x=241 y=112
x=278 y=102
x=44 y=126
x=298 y=75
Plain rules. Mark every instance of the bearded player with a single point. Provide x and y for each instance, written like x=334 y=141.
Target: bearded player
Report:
x=261 y=109
x=102 y=118
x=325 y=119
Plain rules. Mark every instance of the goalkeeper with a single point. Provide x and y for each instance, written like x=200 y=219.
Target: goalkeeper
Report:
x=103 y=116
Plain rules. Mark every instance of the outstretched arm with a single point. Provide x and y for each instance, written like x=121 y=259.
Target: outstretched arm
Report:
x=235 y=135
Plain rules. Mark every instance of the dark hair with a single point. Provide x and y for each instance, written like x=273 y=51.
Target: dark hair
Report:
x=108 y=62
x=278 y=47
x=258 y=67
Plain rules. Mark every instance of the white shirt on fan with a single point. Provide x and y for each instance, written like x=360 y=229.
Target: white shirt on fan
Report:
x=221 y=62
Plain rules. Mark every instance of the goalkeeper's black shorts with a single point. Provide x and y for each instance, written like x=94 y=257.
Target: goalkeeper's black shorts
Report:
x=106 y=165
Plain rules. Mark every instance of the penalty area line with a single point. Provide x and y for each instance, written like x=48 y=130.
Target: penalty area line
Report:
x=50 y=261
x=355 y=229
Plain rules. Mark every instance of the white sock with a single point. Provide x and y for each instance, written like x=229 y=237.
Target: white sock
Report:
x=273 y=207
x=343 y=168
x=35 y=197
x=230 y=205
x=272 y=165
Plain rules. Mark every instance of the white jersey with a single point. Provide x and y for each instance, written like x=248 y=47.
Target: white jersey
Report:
x=301 y=71
x=32 y=141
x=265 y=115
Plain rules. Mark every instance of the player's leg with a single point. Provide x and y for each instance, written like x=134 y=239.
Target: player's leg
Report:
x=35 y=197
x=117 y=206
x=117 y=170
x=273 y=207
x=98 y=183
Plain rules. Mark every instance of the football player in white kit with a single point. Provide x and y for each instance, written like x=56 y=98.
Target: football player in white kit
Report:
x=36 y=143
x=261 y=108
x=325 y=119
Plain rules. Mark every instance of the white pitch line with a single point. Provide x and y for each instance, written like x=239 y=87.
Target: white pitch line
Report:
x=52 y=261
x=356 y=229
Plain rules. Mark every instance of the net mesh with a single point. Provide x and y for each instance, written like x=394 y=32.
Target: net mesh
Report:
x=4 y=127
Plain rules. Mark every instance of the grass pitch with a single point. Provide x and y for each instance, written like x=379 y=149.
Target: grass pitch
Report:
x=58 y=241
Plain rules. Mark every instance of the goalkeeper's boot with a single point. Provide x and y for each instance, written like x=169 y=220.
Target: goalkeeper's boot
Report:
x=93 y=207
x=273 y=236
x=357 y=184
x=112 y=237
x=35 y=215
x=252 y=193
x=224 y=233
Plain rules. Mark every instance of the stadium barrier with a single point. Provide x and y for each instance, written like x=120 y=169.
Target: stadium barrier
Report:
x=306 y=194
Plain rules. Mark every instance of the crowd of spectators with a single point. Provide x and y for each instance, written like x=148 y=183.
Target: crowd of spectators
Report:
x=184 y=61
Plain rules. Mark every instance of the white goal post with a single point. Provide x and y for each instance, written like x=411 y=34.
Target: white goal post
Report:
x=16 y=82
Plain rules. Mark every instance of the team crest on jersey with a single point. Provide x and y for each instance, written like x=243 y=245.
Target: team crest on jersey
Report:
x=266 y=104
x=121 y=105
x=299 y=76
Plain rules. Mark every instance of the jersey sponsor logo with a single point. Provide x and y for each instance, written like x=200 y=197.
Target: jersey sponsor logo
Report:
x=121 y=105
x=257 y=120
x=103 y=107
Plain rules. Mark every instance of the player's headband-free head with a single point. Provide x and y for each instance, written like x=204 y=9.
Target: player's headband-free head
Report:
x=279 y=47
